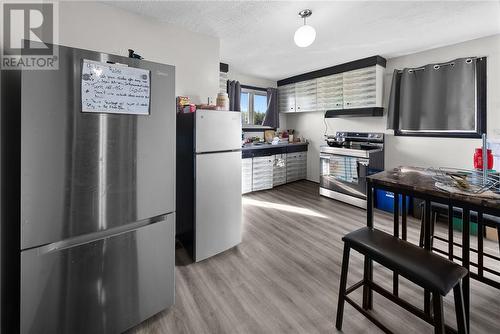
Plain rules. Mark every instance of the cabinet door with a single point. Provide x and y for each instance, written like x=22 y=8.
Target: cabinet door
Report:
x=305 y=96
x=279 y=170
x=360 y=88
x=262 y=173
x=302 y=165
x=292 y=167
x=329 y=92
x=246 y=175
x=286 y=98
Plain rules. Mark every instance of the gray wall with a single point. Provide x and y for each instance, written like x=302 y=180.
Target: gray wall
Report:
x=414 y=151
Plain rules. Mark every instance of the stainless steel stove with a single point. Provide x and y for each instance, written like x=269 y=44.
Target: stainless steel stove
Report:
x=346 y=161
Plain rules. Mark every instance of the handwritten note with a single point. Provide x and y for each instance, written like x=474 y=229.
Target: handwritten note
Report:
x=113 y=88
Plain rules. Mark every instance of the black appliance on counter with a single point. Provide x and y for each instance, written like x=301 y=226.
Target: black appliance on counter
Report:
x=346 y=161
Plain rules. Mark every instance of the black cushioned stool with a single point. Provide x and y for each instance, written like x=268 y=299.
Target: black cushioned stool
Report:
x=442 y=209
x=422 y=267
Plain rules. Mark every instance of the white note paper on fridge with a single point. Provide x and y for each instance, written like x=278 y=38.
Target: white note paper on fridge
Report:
x=116 y=89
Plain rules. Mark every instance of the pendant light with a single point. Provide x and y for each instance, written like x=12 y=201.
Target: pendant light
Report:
x=305 y=35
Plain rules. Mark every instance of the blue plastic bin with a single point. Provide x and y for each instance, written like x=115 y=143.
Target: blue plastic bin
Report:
x=384 y=200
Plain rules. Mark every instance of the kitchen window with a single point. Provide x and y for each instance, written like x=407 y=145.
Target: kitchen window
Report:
x=253 y=106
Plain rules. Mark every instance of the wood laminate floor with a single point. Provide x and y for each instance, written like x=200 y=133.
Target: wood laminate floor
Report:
x=284 y=276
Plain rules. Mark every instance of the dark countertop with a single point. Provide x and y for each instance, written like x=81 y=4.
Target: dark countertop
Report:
x=419 y=180
x=263 y=146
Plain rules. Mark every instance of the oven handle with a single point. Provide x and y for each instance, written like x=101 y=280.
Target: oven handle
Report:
x=361 y=161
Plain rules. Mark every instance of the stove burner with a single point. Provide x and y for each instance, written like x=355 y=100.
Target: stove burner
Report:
x=334 y=143
x=356 y=140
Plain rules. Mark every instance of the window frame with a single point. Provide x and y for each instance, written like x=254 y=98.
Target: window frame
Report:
x=252 y=91
x=480 y=112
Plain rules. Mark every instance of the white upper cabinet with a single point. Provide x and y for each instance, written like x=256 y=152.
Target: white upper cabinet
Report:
x=329 y=92
x=363 y=88
x=286 y=98
x=305 y=96
x=360 y=88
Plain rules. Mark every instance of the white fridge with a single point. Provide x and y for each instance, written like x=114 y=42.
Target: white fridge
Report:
x=209 y=182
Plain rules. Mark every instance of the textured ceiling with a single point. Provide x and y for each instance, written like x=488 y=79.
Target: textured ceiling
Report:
x=256 y=37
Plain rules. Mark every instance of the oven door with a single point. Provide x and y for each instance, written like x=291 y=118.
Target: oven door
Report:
x=344 y=174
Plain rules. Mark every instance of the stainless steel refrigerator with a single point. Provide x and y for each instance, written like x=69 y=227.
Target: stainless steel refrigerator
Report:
x=209 y=182
x=88 y=212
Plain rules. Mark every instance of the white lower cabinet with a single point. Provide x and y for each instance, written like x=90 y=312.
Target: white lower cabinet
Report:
x=279 y=169
x=246 y=175
x=296 y=166
x=262 y=173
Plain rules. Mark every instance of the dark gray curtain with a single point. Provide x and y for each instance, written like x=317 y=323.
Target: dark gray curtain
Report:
x=435 y=97
x=234 y=94
x=393 y=108
x=272 y=117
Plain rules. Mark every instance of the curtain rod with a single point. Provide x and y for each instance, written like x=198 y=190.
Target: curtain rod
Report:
x=437 y=66
x=254 y=88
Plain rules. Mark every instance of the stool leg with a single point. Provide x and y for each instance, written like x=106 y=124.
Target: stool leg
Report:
x=450 y=233
x=459 y=308
x=433 y=224
x=422 y=228
x=342 y=288
x=368 y=277
x=437 y=300
x=498 y=233
x=480 y=245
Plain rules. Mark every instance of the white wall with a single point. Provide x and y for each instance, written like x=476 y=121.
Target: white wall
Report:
x=104 y=28
x=414 y=151
x=249 y=80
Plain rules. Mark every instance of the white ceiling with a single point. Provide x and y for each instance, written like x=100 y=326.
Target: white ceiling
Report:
x=256 y=37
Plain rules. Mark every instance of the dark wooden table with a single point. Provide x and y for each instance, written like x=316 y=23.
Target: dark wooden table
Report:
x=418 y=183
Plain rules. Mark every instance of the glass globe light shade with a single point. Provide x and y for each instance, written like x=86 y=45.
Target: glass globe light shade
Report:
x=304 y=36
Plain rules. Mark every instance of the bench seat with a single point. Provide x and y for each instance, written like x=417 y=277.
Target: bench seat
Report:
x=416 y=264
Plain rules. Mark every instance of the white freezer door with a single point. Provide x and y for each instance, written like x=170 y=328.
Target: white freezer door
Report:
x=218 y=203
x=217 y=131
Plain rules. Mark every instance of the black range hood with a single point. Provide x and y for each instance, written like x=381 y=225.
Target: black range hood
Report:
x=359 y=112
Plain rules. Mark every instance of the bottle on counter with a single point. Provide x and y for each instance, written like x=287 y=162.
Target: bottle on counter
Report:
x=222 y=101
x=478 y=159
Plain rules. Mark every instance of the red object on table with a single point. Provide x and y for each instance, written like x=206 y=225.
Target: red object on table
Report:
x=478 y=159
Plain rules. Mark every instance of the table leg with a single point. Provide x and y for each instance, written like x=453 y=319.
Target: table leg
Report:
x=427 y=246
x=395 y=277
x=466 y=263
x=368 y=265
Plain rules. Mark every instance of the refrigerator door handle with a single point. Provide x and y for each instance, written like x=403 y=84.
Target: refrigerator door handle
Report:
x=213 y=152
x=95 y=236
